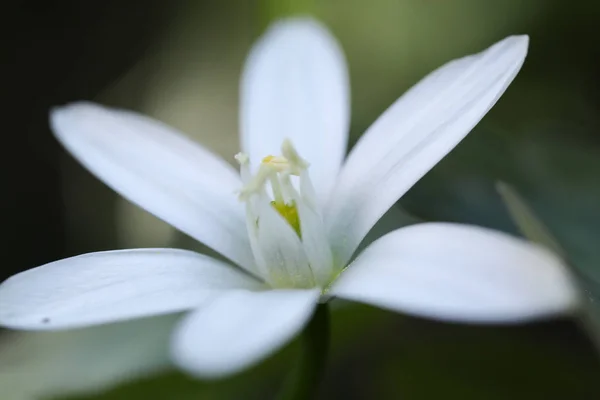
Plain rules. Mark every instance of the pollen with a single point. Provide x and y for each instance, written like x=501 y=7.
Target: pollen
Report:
x=290 y=213
x=275 y=172
x=277 y=163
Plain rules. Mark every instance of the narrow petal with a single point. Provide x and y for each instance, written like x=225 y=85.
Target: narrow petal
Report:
x=42 y=365
x=160 y=170
x=314 y=235
x=239 y=329
x=413 y=135
x=282 y=251
x=111 y=286
x=252 y=229
x=459 y=273
x=315 y=244
x=295 y=86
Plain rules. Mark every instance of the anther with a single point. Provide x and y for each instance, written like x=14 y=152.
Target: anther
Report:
x=296 y=163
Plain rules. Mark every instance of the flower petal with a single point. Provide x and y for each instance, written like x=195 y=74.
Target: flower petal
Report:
x=160 y=170
x=111 y=286
x=282 y=251
x=238 y=329
x=314 y=235
x=413 y=135
x=314 y=242
x=42 y=365
x=295 y=86
x=459 y=273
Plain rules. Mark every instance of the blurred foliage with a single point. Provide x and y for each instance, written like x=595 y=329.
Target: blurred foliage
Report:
x=381 y=355
x=180 y=62
x=54 y=52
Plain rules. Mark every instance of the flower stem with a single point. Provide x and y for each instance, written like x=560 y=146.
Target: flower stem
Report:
x=303 y=383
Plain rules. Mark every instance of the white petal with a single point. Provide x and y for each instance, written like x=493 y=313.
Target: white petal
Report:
x=315 y=244
x=239 y=329
x=114 y=285
x=41 y=365
x=314 y=235
x=252 y=229
x=160 y=170
x=459 y=273
x=282 y=251
x=295 y=85
x=413 y=135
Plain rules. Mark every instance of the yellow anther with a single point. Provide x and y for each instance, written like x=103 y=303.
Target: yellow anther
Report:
x=290 y=213
x=276 y=170
x=296 y=163
x=278 y=163
x=242 y=158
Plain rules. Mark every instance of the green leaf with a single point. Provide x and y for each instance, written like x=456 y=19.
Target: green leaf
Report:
x=529 y=225
x=534 y=229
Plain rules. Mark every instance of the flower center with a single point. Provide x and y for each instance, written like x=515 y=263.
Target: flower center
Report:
x=277 y=171
x=280 y=196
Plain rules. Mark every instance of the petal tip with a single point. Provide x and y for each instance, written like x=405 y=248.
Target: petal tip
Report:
x=61 y=116
x=296 y=22
x=207 y=343
x=519 y=42
x=297 y=27
x=72 y=107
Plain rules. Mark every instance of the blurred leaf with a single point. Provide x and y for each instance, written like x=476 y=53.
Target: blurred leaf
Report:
x=443 y=361
x=531 y=227
x=534 y=229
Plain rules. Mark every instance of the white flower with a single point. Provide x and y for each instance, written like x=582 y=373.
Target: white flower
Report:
x=291 y=222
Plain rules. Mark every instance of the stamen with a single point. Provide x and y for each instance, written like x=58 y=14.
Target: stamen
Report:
x=286 y=183
x=297 y=164
x=242 y=158
x=256 y=183
x=276 y=170
x=277 y=192
x=244 y=161
x=285 y=260
x=280 y=164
